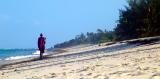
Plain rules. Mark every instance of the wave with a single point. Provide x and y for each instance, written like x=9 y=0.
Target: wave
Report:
x=19 y=57
x=38 y=52
x=34 y=54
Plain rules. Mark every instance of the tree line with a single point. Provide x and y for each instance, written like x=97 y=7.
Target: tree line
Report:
x=89 y=38
x=140 y=18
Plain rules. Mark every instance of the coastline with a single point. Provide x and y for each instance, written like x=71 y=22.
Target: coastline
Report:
x=23 y=59
x=138 y=62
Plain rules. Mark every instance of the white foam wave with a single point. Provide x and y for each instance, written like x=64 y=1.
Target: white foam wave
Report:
x=36 y=53
x=26 y=56
x=19 y=57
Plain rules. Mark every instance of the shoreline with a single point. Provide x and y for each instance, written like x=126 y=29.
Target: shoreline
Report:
x=138 y=62
x=61 y=52
x=23 y=60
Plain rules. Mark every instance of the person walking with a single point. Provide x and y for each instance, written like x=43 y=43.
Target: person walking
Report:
x=41 y=45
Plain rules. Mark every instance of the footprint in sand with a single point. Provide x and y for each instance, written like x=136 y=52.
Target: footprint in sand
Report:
x=89 y=74
x=81 y=78
x=155 y=76
x=2 y=73
x=64 y=73
x=98 y=65
x=35 y=77
x=81 y=75
x=121 y=72
x=137 y=73
x=124 y=64
x=49 y=76
x=63 y=65
x=53 y=75
x=83 y=69
x=101 y=77
x=97 y=76
x=93 y=68
x=65 y=68
x=111 y=66
x=72 y=71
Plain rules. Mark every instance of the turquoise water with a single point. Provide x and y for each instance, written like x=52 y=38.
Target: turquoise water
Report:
x=13 y=53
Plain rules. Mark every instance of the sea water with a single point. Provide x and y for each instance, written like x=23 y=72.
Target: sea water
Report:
x=12 y=54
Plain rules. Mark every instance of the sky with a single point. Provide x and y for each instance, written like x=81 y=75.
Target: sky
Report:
x=21 y=21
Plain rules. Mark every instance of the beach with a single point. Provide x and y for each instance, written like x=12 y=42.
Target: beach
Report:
x=116 y=61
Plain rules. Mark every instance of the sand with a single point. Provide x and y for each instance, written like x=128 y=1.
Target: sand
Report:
x=136 y=62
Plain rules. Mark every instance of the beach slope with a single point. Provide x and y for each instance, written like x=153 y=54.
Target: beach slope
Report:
x=117 y=61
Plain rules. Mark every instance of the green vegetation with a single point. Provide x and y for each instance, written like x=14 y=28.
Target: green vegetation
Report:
x=139 y=19
x=89 y=38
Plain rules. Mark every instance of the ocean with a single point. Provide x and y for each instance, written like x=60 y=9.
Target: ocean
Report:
x=12 y=54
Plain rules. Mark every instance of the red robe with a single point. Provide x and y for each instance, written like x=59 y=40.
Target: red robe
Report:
x=41 y=44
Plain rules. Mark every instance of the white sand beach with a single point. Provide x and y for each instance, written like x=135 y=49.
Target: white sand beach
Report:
x=117 y=61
